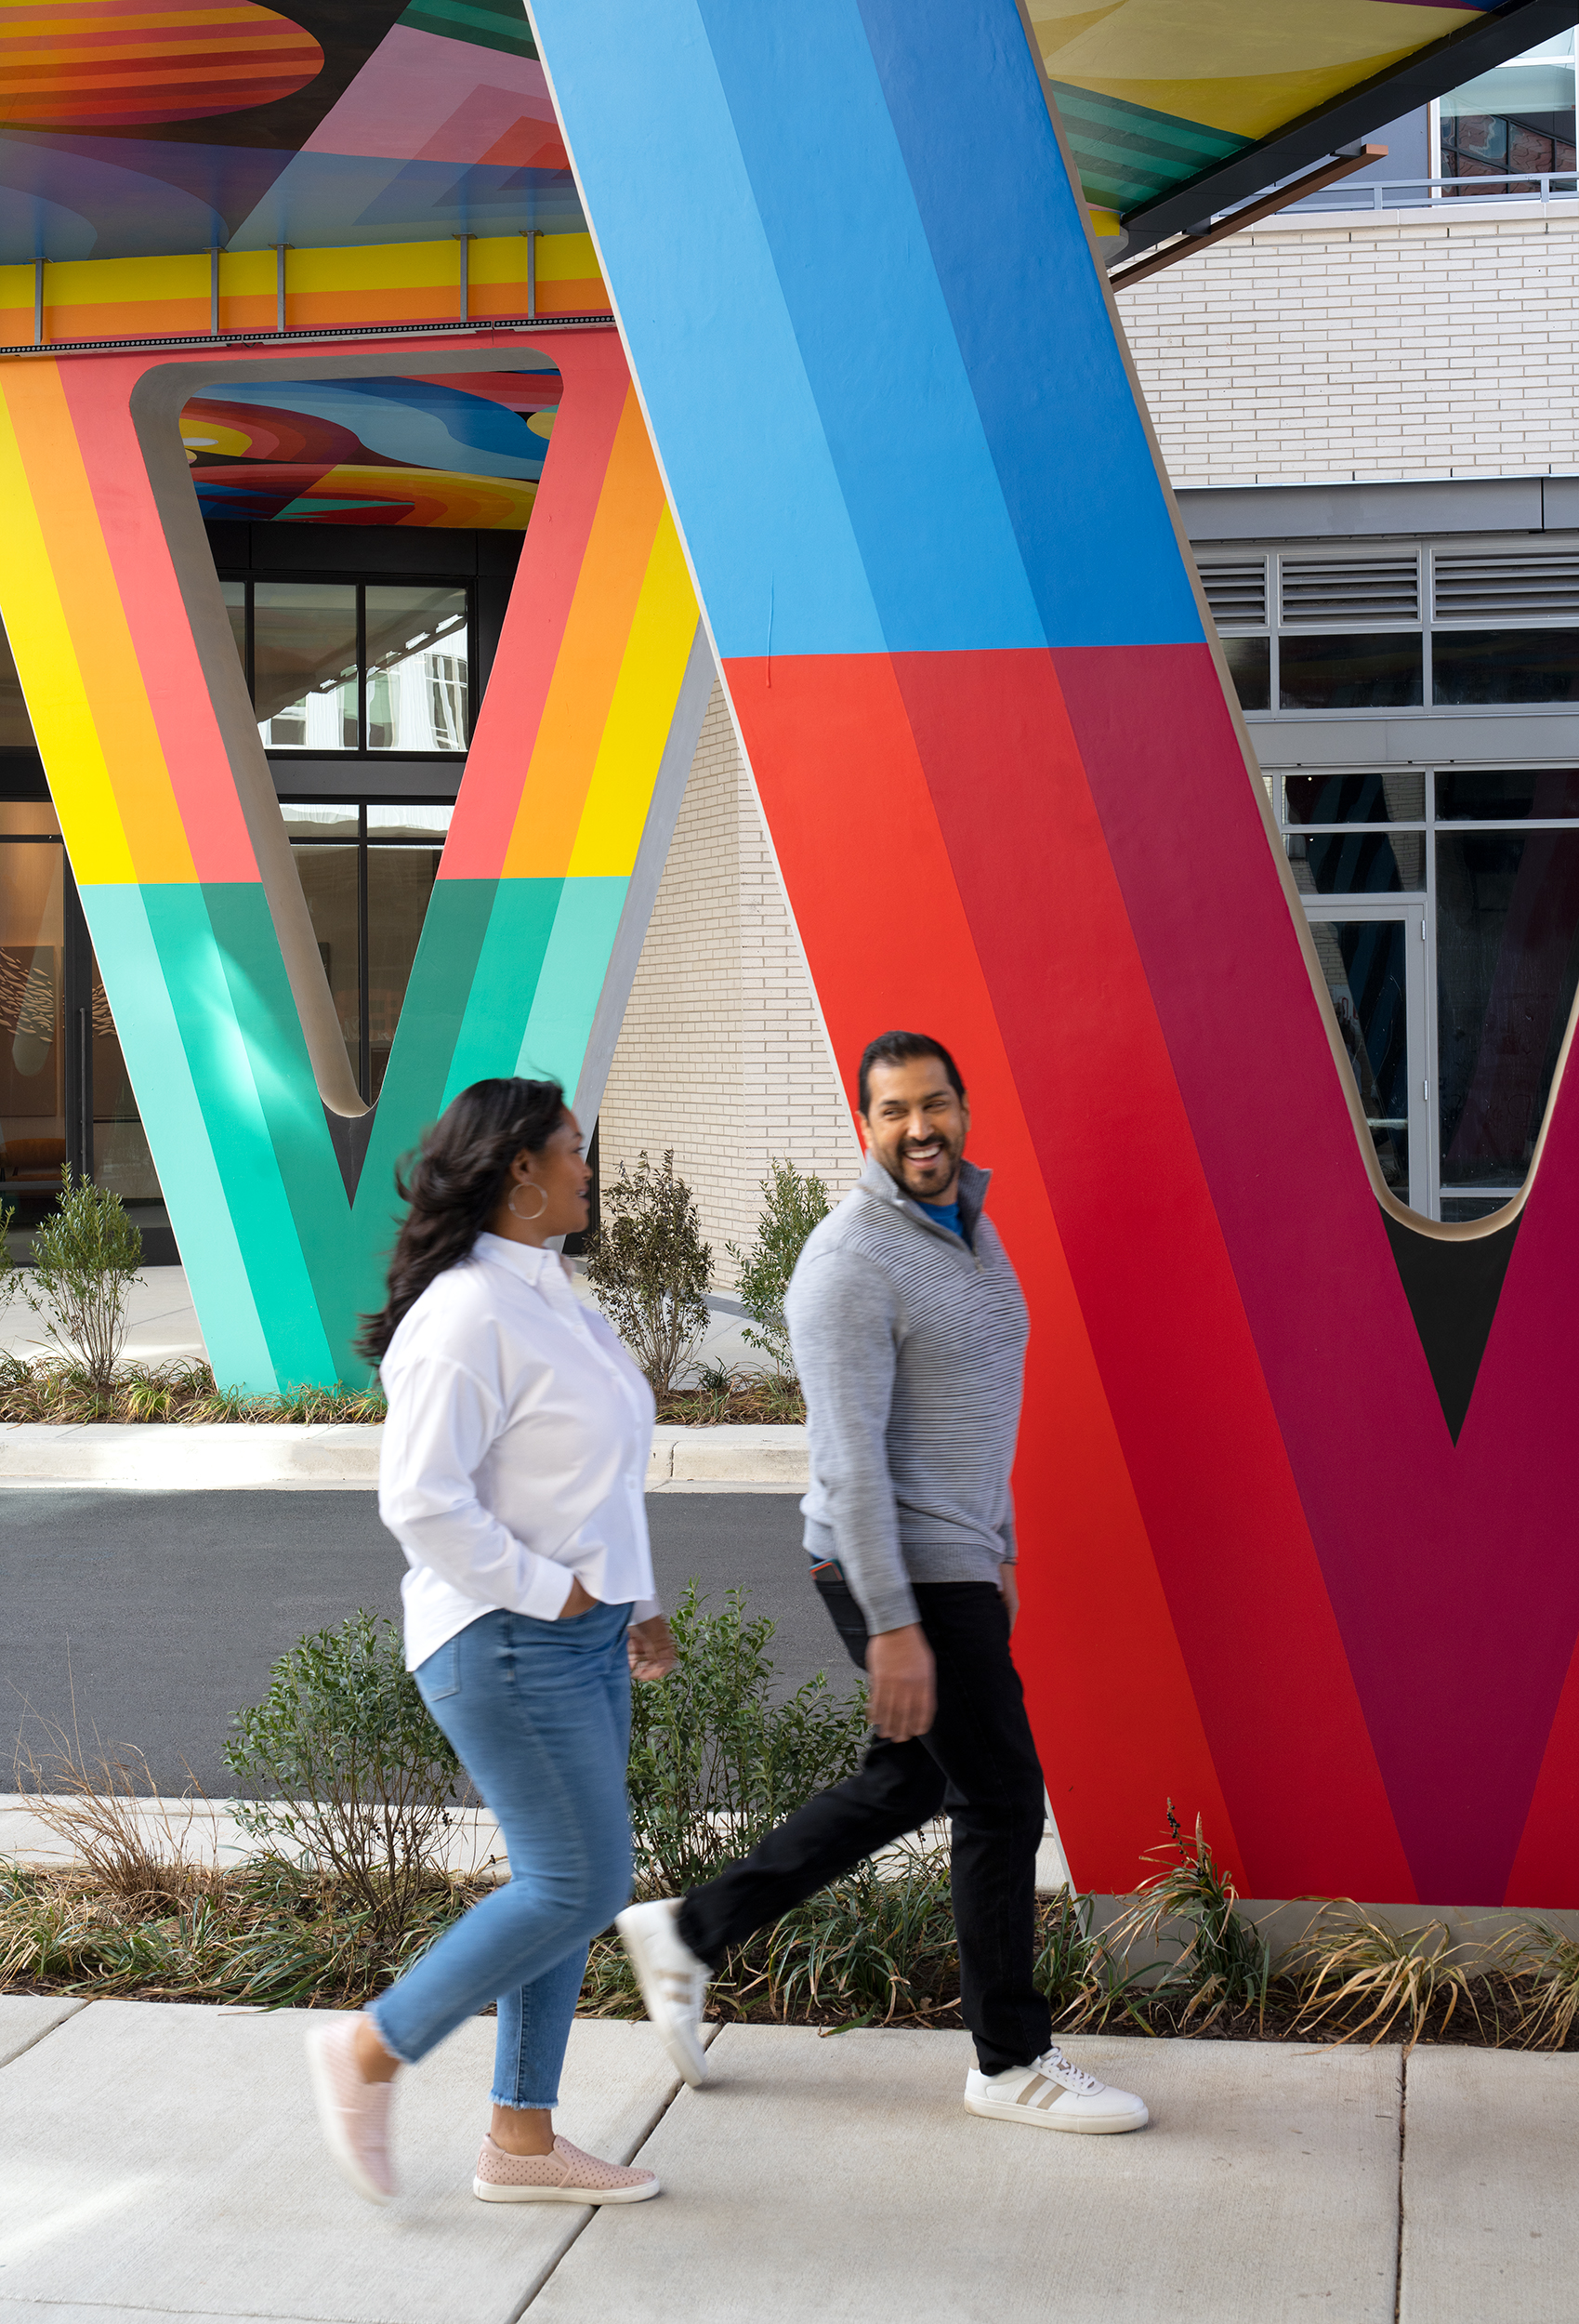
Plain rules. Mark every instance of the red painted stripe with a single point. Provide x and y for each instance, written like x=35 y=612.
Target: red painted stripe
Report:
x=879 y=910
x=99 y=395
x=595 y=380
x=1155 y=1284
x=1457 y=1619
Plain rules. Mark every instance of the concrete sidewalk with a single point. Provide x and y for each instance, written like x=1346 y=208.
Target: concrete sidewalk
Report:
x=163 y=2157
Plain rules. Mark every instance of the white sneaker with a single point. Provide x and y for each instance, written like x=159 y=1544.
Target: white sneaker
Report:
x=1054 y=2096
x=673 y=1983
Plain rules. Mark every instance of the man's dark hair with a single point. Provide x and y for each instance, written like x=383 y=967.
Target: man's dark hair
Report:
x=901 y=1049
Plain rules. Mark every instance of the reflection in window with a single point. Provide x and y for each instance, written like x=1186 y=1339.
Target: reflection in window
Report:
x=1504 y=665
x=416 y=664
x=1250 y=666
x=1379 y=671
x=1484 y=794
x=1508 y=964
x=1380 y=797
x=304 y=654
x=32 y=1102
x=1366 y=973
x=1363 y=863
x=367 y=903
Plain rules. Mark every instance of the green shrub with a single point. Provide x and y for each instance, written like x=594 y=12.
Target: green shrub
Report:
x=342 y=1764
x=714 y=1763
x=651 y=1269
x=1221 y=1962
x=792 y=1206
x=85 y=1260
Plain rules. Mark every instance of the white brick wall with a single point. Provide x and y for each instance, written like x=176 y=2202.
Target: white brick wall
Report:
x=722 y=1054
x=1408 y=345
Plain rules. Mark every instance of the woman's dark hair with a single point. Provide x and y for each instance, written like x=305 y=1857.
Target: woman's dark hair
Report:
x=455 y=1184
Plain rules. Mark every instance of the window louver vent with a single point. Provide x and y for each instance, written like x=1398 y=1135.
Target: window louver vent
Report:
x=1237 y=593
x=1522 y=587
x=1351 y=592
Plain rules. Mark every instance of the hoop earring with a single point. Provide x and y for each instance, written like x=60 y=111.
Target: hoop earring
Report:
x=542 y=1203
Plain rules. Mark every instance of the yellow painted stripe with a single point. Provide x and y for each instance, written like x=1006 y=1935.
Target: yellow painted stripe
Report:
x=126 y=737
x=639 y=715
x=52 y=679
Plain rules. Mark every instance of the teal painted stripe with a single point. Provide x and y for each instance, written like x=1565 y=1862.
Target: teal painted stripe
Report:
x=508 y=979
x=293 y=1117
x=571 y=981
x=222 y=1068
x=172 y=1109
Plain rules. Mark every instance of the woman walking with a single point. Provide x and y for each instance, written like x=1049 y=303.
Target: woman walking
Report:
x=513 y=1476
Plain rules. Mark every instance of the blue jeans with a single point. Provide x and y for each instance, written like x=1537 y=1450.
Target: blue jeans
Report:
x=539 y=1714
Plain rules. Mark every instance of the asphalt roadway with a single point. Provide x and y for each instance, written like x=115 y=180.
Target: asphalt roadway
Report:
x=150 y=1617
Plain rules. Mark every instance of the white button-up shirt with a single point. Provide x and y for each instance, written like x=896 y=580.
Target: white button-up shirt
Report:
x=515 y=1453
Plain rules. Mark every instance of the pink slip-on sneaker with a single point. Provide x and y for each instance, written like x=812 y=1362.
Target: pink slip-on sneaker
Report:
x=566 y=2176
x=352 y=2113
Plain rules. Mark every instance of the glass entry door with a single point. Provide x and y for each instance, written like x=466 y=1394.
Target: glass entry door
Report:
x=1373 y=958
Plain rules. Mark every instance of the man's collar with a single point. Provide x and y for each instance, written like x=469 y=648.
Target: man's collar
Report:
x=972 y=1197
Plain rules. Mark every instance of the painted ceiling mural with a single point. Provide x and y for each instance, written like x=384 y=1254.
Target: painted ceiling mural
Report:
x=141 y=126
x=460 y=450
x=131 y=128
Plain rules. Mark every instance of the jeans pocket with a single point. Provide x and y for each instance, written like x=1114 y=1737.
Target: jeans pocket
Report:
x=441 y=1674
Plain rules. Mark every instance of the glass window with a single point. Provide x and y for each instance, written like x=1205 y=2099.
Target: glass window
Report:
x=1318 y=799
x=1250 y=666
x=33 y=1105
x=16 y=727
x=367 y=904
x=1504 y=665
x=1480 y=795
x=1353 y=672
x=1507 y=963
x=1366 y=970
x=417 y=696
x=304 y=645
x=399 y=880
x=1359 y=863
x=235 y=595
x=329 y=882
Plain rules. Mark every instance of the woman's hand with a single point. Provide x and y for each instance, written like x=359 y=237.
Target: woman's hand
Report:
x=651 y=1649
x=578 y=1602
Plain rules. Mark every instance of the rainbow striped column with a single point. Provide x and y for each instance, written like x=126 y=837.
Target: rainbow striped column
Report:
x=1263 y=1577
x=167 y=807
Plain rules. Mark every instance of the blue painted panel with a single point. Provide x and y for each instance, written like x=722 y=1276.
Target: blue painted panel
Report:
x=1009 y=242
x=872 y=326
x=714 y=353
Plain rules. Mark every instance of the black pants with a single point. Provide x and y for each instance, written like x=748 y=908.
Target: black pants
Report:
x=978 y=1763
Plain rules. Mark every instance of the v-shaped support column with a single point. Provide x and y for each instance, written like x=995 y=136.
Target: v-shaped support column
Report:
x=563 y=818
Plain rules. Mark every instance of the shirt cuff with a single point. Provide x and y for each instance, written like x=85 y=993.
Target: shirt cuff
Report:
x=643 y=1610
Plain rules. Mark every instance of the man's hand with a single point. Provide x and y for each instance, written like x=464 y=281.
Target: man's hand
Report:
x=650 y=1648
x=903 y=1697
x=1008 y=1584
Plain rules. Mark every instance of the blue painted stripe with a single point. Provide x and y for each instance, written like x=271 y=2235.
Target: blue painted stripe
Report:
x=872 y=327
x=178 y=1139
x=734 y=418
x=1007 y=232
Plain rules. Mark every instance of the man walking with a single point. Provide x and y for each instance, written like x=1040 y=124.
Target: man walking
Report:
x=909 y=1332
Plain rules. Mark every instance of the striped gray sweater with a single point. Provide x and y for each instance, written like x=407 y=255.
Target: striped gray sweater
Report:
x=911 y=1348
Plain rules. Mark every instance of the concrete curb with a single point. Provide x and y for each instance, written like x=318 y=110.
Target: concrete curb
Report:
x=250 y=1456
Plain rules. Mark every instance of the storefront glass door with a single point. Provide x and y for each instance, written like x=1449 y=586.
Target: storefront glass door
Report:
x=1375 y=968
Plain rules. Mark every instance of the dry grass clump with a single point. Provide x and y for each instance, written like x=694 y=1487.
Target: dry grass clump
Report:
x=1354 y=1967
x=140 y=1849
x=65 y=1393
x=1544 y=1966
x=737 y=1399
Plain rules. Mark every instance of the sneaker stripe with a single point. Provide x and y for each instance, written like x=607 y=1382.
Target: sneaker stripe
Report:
x=1037 y=2081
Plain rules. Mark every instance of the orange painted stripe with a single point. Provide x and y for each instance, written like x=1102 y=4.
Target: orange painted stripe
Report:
x=91 y=600
x=602 y=609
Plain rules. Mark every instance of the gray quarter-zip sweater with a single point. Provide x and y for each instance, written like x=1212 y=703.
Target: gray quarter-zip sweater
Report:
x=911 y=1348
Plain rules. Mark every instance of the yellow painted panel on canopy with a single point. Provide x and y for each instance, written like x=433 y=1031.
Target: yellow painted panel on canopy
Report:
x=123 y=282
x=639 y=716
x=1246 y=66
x=567 y=258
